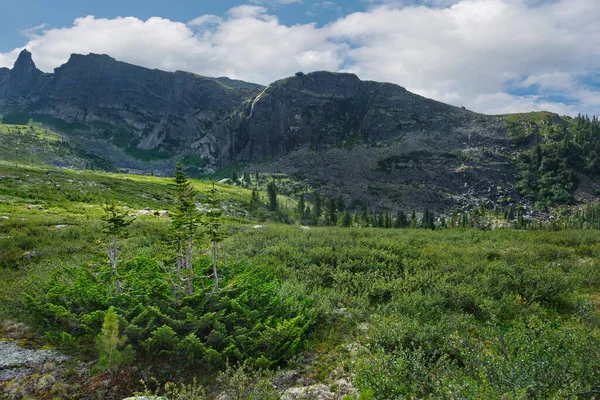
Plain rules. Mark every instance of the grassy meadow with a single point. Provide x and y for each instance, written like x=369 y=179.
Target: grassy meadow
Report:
x=401 y=313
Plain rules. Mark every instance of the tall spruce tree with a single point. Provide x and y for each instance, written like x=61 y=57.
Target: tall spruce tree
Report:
x=185 y=221
x=115 y=224
x=301 y=207
x=331 y=211
x=317 y=208
x=346 y=219
x=272 y=194
x=212 y=222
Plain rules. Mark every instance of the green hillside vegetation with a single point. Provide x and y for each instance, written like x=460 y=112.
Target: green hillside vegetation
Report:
x=404 y=313
x=559 y=150
x=34 y=145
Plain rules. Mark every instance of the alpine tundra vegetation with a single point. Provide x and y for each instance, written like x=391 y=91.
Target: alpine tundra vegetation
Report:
x=169 y=235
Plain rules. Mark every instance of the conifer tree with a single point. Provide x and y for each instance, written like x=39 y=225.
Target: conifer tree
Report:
x=184 y=220
x=331 y=211
x=212 y=223
x=301 y=208
x=339 y=204
x=108 y=344
x=255 y=200
x=413 y=220
x=272 y=193
x=317 y=208
x=115 y=224
x=346 y=219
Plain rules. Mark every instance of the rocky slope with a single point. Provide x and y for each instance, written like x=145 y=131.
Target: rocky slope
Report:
x=368 y=142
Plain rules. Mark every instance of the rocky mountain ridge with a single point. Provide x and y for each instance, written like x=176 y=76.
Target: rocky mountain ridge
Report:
x=369 y=142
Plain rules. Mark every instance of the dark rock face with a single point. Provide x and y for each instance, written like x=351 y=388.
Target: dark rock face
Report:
x=321 y=109
x=20 y=82
x=148 y=109
x=366 y=141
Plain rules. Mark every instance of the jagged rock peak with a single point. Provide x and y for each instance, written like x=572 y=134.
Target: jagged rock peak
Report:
x=24 y=62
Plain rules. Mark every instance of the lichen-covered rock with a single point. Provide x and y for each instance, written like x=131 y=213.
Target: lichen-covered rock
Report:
x=14 y=356
x=313 y=392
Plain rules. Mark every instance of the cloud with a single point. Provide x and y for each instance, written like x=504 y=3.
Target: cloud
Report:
x=246 y=44
x=550 y=81
x=408 y=3
x=275 y=2
x=466 y=53
x=324 y=7
x=31 y=33
x=207 y=19
x=488 y=55
x=247 y=11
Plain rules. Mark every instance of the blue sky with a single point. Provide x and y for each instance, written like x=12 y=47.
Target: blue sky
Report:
x=492 y=56
x=19 y=15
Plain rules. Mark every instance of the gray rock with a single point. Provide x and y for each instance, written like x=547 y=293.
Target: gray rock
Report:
x=286 y=379
x=16 y=361
x=313 y=392
x=13 y=373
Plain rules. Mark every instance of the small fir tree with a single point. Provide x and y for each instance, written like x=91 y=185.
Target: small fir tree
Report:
x=108 y=344
x=255 y=199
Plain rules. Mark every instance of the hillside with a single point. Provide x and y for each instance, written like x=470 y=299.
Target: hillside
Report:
x=341 y=313
x=373 y=144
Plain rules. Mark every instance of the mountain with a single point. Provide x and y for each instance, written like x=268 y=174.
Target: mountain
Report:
x=367 y=142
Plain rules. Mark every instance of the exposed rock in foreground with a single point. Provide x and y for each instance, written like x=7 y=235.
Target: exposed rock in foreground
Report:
x=16 y=361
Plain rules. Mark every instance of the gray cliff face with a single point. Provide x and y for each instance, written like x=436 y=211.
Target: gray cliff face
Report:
x=377 y=142
x=133 y=106
x=22 y=82
x=322 y=109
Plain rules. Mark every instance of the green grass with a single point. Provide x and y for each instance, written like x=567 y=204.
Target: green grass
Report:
x=407 y=313
x=34 y=145
x=147 y=155
x=19 y=117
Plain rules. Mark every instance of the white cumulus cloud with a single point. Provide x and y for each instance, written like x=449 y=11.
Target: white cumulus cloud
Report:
x=467 y=52
x=275 y=2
